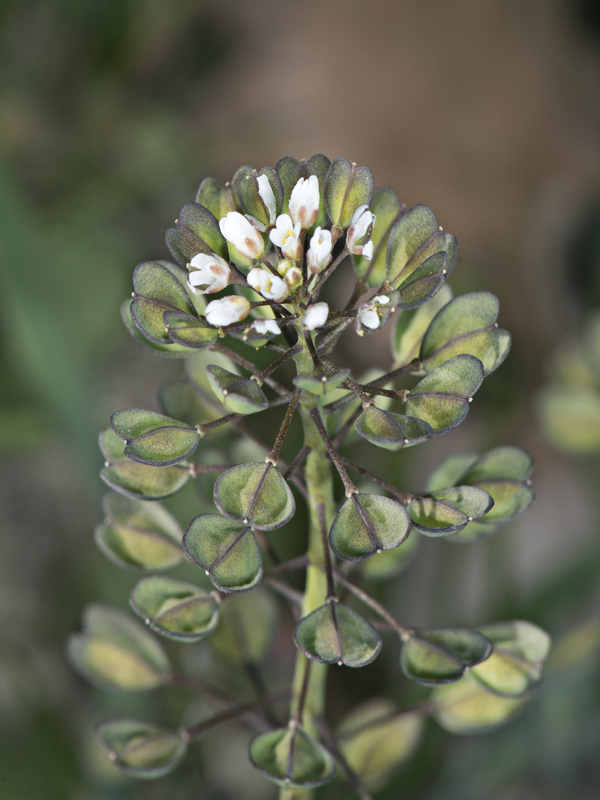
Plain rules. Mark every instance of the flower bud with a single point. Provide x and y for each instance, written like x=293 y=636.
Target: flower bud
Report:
x=283 y=266
x=208 y=273
x=242 y=234
x=315 y=316
x=304 y=202
x=268 y=285
x=319 y=252
x=360 y=227
x=267 y=196
x=227 y=310
x=285 y=235
x=293 y=278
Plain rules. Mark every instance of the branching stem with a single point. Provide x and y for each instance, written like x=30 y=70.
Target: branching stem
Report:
x=405 y=633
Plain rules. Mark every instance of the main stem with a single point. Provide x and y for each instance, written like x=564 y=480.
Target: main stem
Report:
x=319 y=482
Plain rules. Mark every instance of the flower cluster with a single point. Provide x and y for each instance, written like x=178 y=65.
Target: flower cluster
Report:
x=284 y=246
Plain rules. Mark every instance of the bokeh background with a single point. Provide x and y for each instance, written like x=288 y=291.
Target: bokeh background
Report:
x=110 y=115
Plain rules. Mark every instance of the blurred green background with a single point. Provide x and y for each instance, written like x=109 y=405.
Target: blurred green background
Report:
x=110 y=115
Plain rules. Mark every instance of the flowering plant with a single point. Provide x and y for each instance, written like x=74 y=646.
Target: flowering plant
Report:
x=269 y=241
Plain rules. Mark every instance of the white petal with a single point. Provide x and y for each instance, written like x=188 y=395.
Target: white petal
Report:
x=315 y=316
x=369 y=319
x=242 y=234
x=266 y=326
x=367 y=251
x=227 y=310
x=266 y=192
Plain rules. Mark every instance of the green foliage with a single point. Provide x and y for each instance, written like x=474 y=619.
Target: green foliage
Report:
x=335 y=634
x=266 y=242
x=140 y=749
x=290 y=757
x=116 y=652
x=367 y=524
x=175 y=609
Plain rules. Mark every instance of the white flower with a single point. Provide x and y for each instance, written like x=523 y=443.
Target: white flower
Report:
x=362 y=220
x=315 y=316
x=208 y=274
x=227 y=310
x=268 y=285
x=285 y=235
x=242 y=234
x=304 y=202
x=266 y=193
x=319 y=252
x=266 y=326
x=368 y=318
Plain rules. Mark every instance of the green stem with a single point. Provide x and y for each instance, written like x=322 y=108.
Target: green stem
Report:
x=319 y=482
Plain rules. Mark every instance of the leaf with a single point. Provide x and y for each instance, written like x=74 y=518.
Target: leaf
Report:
x=465 y=707
x=389 y=563
x=448 y=510
x=367 y=524
x=139 y=535
x=153 y=438
x=424 y=283
x=387 y=209
x=441 y=398
x=216 y=197
x=156 y=290
x=290 y=170
x=187 y=330
x=507 y=675
x=441 y=656
x=515 y=665
x=346 y=188
x=168 y=348
x=466 y=324
x=503 y=473
x=175 y=609
x=238 y=395
x=321 y=384
x=226 y=550
x=391 y=431
x=116 y=652
x=140 y=480
x=111 y=445
x=376 y=739
x=520 y=637
x=255 y=493
x=414 y=239
x=428 y=663
x=291 y=758
x=501 y=463
x=197 y=231
x=335 y=634
x=461 y=375
x=141 y=749
x=412 y=324
x=251 y=202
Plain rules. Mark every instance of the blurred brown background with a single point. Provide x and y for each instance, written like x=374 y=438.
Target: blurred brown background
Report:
x=110 y=115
